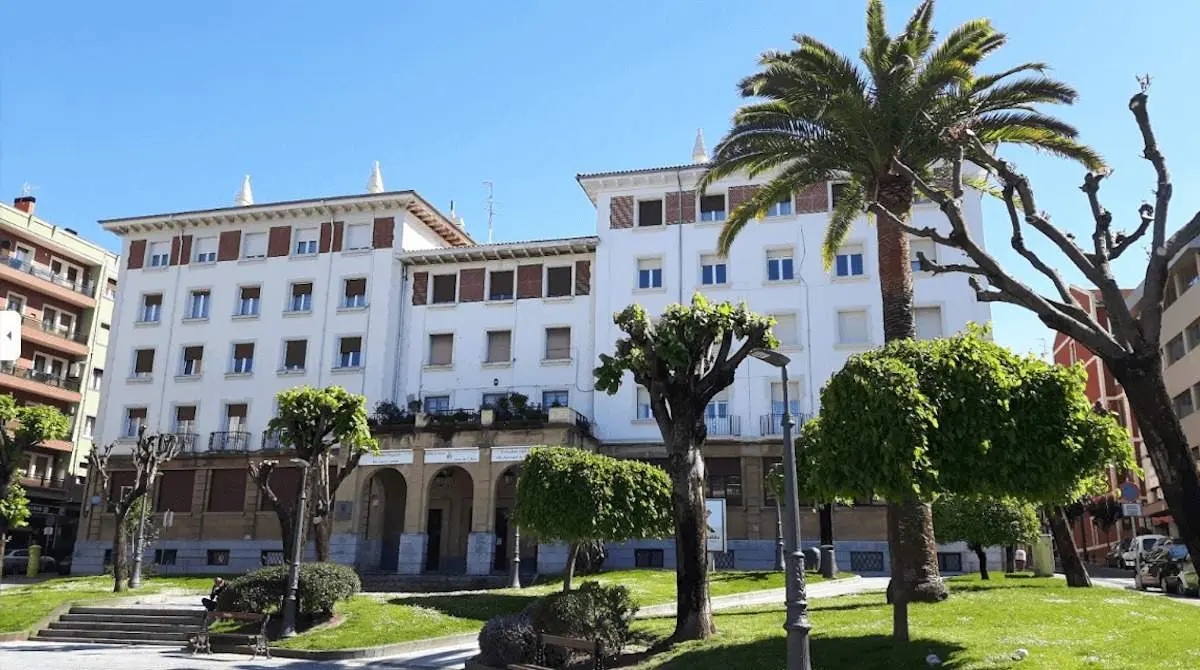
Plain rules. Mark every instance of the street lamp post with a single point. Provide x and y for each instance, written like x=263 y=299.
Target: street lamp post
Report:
x=516 y=559
x=298 y=521
x=796 y=623
x=779 y=549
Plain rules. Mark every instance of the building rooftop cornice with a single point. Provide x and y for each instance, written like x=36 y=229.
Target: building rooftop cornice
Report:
x=594 y=182
x=502 y=251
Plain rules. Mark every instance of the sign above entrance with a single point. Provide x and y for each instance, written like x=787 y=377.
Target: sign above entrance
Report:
x=455 y=455
x=389 y=457
x=509 y=454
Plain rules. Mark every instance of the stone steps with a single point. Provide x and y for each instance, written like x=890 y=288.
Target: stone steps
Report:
x=124 y=625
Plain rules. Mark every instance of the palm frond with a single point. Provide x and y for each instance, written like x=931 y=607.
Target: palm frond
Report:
x=796 y=177
x=1027 y=91
x=988 y=80
x=845 y=211
x=874 y=53
x=918 y=32
x=1046 y=141
x=1024 y=119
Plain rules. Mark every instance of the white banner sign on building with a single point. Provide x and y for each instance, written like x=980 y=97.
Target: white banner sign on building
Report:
x=714 y=510
x=509 y=454
x=389 y=457
x=455 y=455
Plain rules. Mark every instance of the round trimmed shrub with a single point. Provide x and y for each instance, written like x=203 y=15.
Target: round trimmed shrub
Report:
x=321 y=586
x=592 y=612
x=508 y=639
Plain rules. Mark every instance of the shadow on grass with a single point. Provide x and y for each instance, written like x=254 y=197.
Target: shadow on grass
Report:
x=479 y=606
x=866 y=652
x=1016 y=581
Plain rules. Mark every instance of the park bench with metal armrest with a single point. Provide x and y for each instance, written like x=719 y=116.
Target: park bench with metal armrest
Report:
x=543 y=640
x=202 y=641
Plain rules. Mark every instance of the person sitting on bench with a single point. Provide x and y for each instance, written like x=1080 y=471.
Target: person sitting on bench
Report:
x=210 y=603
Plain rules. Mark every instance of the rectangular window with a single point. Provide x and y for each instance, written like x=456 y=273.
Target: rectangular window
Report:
x=852 y=326
x=781 y=208
x=555 y=398
x=254 y=245
x=441 y=349
x=650 y=274
x=500 y=285
x=437 y=404
x=354 y=293
x=559 y=281
x=160 y=254
x=713 y=270
x=306 y=241
x=235 y=417
x=185 y=419
x=650 y=213
x=644 y=413
x=218 y=557
x=193 y=361
x=302 y=297
x=724 y=479
x=1184 y=404
x=499 y=346
x=165 y=556
x=358 y=236
x=779 y=265
x=1192 y=335
x=929 y=322
x=15 y=303
x=198 y=303
x=718 y=407
x=849 y=261
x=786 y=330
x=206 y=250
x=492 y=400
x=295 y=355
x=227 y=490
x=135 y=418
x=647 y=558
x=1175 y=349
x=949 y=561
x=712 y=208
x=350 y=352
x=921 y=245
x=837 y=191
x=558 y=344
x=151 y=308
x=97 y=378
x=143 y=363
x=249 y=298
x=243 y=358
x=89 y=426
x=445 y=288
x=1188 y=277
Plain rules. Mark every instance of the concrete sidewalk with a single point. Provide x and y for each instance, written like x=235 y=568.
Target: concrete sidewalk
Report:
x=829 y=589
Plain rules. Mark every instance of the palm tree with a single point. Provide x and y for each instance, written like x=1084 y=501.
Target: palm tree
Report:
x=820 y=116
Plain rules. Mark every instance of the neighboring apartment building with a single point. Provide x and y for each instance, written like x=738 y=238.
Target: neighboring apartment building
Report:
x=451 y=331
x=64 y=287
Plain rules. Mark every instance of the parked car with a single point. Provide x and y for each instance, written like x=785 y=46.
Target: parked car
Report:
x=1145 y=543
x=17 y=561
x=1116 y=551
x=1154 y=565
x=1184 y=581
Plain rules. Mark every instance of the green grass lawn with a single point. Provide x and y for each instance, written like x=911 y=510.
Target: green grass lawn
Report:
x=370 y=621
x=979 y=627
x=23 y=606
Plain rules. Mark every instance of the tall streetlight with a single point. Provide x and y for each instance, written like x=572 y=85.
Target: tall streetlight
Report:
x=298 y=521
x=796 y=623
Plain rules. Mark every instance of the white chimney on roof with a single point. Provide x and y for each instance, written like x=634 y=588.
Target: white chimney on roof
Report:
x=699 y=153
x=244 y=197
x=455 y=218
x=375 y=183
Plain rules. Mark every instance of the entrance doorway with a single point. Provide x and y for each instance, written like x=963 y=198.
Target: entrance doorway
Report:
x=385 y=498
x=448 y=520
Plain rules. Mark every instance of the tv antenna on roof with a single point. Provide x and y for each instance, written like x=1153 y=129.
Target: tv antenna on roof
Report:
x=491 y=205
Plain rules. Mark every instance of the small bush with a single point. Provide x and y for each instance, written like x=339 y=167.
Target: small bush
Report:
x=508 y=639
x=593 y=612
x=321 y=586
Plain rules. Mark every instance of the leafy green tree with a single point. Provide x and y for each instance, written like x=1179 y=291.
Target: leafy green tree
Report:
x=683 y=360
x=820 y=116
x=31 y=426
x=312 y=422
x=984 y=521
x=575 y=496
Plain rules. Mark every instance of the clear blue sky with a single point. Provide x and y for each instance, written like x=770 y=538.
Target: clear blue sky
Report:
x=135 y=107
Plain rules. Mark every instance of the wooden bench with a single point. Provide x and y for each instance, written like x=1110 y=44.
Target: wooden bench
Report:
x=590 y=646
x=202 y=641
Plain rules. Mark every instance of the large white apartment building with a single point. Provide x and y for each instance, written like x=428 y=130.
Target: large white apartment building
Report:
x=380 y=293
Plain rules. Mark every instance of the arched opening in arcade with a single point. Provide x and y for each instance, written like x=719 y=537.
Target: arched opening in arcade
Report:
x=506 y=531
x=384 y=499
x=448 y=520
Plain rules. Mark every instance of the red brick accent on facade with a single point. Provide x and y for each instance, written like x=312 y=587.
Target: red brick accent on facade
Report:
x=137 y=255
x=185 y=249
x=688 y=213
x=620 y=212
x=529 y=281
x=175 y=250
x=325 y=242
x=338 y=231
x=228 y=245
x=279 y=241
x=815 y=198
x=740 y=194
x=383 y=232
x=470 y=285
x=420 y=288
x=583 y=277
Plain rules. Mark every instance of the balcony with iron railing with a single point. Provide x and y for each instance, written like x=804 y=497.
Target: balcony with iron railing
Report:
x=723 y=426
x=38 y=382
x=772 y=424
x=229 y=441
x=77 y=292
x=188 y=442
x=389 y=417
x=55 y=336
x=44 y=482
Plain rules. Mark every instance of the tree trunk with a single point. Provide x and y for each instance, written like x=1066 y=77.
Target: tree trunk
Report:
x=1165 y=443
x=693 y=608
x=3 y=545
x=1068 y=553
x=321 y=533
x=286 y=532
x=982 y=556
x=120 y=543
x=1010 y=559
x=569 y=573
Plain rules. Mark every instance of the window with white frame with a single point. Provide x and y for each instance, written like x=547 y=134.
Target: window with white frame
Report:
x=135 y=418
x=493 y=400
x=558 y=344
x=779 y=265
x=499 y=346
x=849 y=261
x=644 y=413
x=160 y=254
x=151 y=308
x=235 y=417
x=712 y=207
x=649 y=213
x=437 y=404
x=441 y=349
x=198 y=304
x=143 y=363
x=650 y=273
x=185 y=419
x=928 y=322
x=786 y=329
x=555 y=398
x=358 y=236
x=302 y=297
x=718 y=407
x=306 y=241
x=559 y=281
x=97 y=379
x=15 y=303
x=445 y=289
x=350 y=352
x=500 y=285
x=295 y=355
x=781 y=208
x=206 y=250
x=713 y=270
x=792 y=404
x=837 y=193
x=852 y=326
x=242 y=361
x=249 y=299
x=192 y=362
x=89 y=426
x=254 y=245
x=920 y=245
x=354 y=293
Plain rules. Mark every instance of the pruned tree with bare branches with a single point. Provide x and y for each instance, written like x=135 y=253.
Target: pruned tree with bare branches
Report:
x=1130 y=342
x=149 y=453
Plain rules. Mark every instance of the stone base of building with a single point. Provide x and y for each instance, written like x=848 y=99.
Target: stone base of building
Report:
x=191 y=557
x=481 y=551
x=411 y=560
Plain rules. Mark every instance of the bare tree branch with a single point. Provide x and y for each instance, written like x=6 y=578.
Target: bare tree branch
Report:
x=1102 y=238
x=1018 y=243
x=1156 y=270
x=1123 y=242
x=943 y=268
x=928 y=233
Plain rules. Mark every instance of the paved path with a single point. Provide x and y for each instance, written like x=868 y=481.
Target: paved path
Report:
x=1127 y=583
x=837 y=587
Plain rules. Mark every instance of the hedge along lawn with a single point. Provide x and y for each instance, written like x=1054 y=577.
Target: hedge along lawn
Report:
x=368 y=620
x=25 y=605
x=978 y=628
